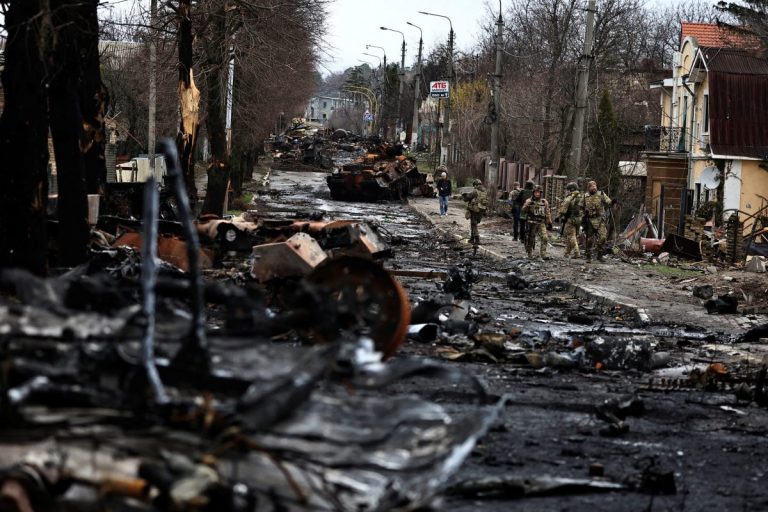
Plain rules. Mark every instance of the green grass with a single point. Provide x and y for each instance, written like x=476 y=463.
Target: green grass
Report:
x=243 y=201
x=668 y=271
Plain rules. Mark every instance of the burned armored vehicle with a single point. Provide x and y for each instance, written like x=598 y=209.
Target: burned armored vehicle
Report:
x=384 y=173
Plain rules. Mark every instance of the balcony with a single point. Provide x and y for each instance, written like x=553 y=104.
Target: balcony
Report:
x=664 y=139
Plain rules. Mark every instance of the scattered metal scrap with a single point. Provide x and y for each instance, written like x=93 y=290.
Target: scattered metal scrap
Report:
x=516 y=487
x=124 y=410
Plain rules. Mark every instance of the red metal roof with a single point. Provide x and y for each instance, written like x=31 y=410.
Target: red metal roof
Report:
x=710 y=34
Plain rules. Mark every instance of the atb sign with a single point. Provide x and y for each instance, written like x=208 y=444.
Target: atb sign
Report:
x=439 y=89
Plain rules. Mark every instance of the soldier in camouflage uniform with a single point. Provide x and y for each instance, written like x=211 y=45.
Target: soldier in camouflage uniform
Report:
x=595 y=203
x=477 y=204
x=536 y=209
x=570 y=213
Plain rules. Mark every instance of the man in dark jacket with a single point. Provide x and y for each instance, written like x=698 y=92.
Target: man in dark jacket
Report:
x=516 y=207
x=443 y=189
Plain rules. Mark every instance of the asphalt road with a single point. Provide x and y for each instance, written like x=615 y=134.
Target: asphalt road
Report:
x=689 y=447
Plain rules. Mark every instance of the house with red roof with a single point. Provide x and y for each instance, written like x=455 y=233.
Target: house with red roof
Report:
x=714 y=130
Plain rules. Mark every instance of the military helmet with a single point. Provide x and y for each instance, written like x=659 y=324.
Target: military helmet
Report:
x=476 y=182
x=538 y=188
x=571 y=186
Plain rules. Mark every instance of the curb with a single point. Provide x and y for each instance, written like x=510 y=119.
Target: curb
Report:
x=610 y=299
x=602 y=297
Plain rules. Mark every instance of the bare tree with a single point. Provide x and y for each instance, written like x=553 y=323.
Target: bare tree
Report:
x=51 y=79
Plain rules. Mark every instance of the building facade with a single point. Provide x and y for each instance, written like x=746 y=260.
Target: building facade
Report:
x=713 y=144
x=322 y=108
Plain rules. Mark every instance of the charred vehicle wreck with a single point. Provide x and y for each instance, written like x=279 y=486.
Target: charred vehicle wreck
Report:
x=383 y=173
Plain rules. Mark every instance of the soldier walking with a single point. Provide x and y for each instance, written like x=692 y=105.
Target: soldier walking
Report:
x=595 y=204
x=521 y=198
x=536 y=209
x=477 y=204
x=570 y=214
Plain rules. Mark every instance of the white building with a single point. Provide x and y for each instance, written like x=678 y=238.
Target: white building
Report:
x=322 y=108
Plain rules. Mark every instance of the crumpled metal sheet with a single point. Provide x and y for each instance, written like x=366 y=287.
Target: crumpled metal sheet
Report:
x=278 y=413
x=327 y=450
x=20 y=320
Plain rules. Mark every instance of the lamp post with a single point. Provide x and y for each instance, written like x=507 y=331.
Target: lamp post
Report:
x=372 y=55
x=400 y=123
x=375 y=83
x=381 y=88
x=416 y=90
x=382 y=51
x=446 y=141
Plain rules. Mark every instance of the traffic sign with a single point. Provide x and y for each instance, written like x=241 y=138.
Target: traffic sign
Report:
x=367 y=117
x=439 y=89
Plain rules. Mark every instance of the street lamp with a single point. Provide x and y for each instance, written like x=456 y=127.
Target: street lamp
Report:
x=382 y=51
x=444 y=156
x=375 y=56
x=416 y=90
x=380 y=88
x=402 y=81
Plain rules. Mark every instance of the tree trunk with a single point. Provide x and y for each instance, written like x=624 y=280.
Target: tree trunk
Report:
x=24 y=142
x=218 y=168
x=189 y=103
x=67 y=122
x=236 y=172
x=546 y=125
x=94 y=97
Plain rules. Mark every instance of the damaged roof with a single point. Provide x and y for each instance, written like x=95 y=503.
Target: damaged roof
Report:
x=734 y=60
x=738 y=101
x=738 y=114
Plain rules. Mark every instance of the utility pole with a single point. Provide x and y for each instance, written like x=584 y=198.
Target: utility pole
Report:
x=447 y=148
x=446 y=145
x=416 y=92
x=493 y=166
x=400 y=120
x=574 y=169
x=152 y=87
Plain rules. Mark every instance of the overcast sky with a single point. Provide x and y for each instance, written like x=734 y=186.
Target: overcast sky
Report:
x=355 y=23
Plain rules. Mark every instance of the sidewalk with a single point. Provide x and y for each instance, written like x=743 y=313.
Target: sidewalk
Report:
x=652 y=296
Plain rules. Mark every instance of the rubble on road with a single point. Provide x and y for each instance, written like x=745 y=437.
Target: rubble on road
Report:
x=114 y=395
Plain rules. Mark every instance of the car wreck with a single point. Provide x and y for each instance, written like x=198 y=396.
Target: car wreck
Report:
x=383 y=173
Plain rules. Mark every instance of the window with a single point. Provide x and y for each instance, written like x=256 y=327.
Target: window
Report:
x=325 y=104
x=705 y=116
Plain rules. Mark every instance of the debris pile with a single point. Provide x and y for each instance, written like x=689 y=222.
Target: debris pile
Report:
x=115 y=396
